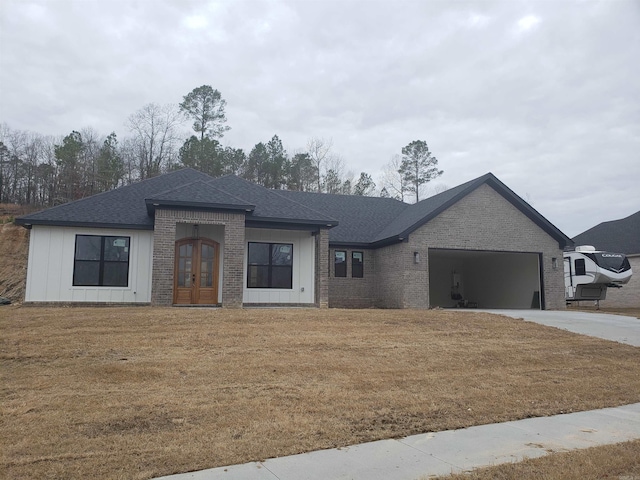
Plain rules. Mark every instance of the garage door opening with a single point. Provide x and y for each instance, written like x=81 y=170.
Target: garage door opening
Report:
x=484 y=279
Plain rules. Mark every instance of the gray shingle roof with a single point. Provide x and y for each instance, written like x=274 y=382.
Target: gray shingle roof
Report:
x=197 y=194
x=360 y=219
x=420 y=213
x=356 y=220
x=122 y=208
x=271 y=205
x=620 y=236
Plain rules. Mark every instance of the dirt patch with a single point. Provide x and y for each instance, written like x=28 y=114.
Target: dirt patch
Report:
x=144 y=392
x=14 y=249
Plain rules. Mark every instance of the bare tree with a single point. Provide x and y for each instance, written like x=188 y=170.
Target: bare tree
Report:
x=392 y=180
x=91 y=150
x=154 y=128
x=319 y=150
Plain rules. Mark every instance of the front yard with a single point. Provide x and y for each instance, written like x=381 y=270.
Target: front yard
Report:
x=142 y=392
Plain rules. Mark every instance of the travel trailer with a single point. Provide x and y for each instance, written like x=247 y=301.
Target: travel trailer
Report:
x=588 y=272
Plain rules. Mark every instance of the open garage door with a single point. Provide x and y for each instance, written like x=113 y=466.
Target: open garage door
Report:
x=484 y=279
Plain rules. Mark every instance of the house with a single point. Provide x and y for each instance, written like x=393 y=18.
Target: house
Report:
x=184 y=238
x=619 y=236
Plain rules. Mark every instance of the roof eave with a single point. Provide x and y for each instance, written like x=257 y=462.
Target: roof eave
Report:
x=293 y=221
x=28 y=223
x=152 y=204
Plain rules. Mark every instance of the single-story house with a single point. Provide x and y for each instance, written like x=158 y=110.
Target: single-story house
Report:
x=184 y=238
x=618 y=236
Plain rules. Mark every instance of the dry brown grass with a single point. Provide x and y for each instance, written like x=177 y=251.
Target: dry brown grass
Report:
x=142 y=392
x=620 y=461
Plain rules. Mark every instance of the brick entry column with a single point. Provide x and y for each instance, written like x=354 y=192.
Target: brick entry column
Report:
x=164 y=238
x=322 y=267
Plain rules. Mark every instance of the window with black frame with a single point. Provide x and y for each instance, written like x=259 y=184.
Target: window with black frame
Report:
x=270 y=265
x=340 y=263
x=357 y=262
x=101 y=261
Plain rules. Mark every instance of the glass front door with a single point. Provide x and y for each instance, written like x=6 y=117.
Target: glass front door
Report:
x=196 y=272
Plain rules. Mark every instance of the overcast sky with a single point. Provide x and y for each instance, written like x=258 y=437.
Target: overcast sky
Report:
x=545 y=95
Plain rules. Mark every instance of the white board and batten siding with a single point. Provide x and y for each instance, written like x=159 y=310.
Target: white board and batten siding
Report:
x=303 y=267
x=51 y=260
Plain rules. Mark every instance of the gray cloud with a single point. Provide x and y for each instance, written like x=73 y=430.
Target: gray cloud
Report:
x=543 y=94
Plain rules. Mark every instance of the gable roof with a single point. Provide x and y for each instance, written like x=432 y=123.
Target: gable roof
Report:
x=368 y=222
x=375 y=222
x=620 y=236
x=422 y=212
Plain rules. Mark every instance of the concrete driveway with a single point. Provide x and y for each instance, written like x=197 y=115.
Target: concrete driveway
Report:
x=603 y=325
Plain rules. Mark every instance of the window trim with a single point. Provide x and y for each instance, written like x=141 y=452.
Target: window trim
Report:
x=269 y=266
x=101 y=262
x=359 y=265
x=335 y=264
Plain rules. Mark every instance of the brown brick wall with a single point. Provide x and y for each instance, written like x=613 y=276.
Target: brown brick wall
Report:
x=391 y=265
x=483 y=220
x=349 y=292
x=322 y=277
x=164 y=236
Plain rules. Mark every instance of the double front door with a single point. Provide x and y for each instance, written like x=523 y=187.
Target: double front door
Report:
x=196 y=272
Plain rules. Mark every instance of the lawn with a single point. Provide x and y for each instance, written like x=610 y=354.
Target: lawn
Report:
x=143 y=392
x=620 y=461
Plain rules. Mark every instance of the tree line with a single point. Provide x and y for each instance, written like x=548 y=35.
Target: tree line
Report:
x=43 y=171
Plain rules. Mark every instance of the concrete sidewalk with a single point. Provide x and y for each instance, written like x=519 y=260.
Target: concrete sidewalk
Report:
x=442 y=453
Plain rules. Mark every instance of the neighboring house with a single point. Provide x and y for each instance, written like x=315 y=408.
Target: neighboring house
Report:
x=187 y=238
x=619 y=236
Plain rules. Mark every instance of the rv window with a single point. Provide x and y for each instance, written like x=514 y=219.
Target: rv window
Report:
x=580 y=268
x=616 y=262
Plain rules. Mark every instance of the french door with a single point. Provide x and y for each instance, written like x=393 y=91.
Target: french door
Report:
x=196 y=272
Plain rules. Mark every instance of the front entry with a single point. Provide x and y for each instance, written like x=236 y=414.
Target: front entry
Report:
x=196 y=272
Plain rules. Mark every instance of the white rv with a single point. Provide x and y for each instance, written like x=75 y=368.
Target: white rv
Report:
x=588 y=273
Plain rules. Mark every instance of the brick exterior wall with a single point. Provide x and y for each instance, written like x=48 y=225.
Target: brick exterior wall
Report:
x=483 y=220
x=164 y=237
x=389 y=276
x=629 y=295
x=322 y=277
x=349 y=292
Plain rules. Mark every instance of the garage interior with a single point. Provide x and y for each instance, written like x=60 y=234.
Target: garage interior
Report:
x=484 y=279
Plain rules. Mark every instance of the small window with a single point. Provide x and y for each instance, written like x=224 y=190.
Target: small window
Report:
x=580 y=267
x=340 y=263
x=270 y=265
x=101 y=261
x=356 y=264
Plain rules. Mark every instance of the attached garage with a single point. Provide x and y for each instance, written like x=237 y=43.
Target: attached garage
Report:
x=484 y=279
